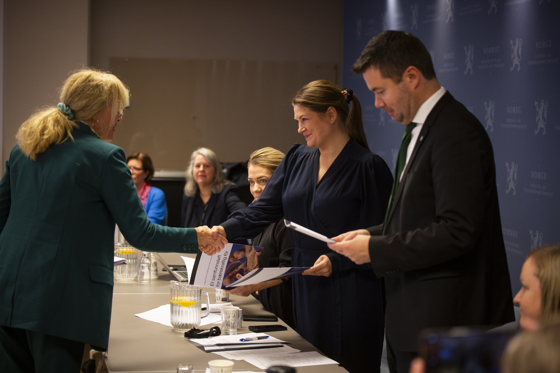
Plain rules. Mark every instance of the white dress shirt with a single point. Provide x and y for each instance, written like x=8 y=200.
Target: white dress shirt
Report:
x=420 y=118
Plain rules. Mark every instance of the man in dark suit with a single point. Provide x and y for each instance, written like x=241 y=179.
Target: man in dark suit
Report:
x=440 y=251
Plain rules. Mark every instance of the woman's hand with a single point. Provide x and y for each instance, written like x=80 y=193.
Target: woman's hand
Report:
x=253 y=257
x=322 y=267
x=245 y=290
x=207 y=242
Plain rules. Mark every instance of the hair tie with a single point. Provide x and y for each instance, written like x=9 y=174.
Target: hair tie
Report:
x=348 y=95
x=65 y=110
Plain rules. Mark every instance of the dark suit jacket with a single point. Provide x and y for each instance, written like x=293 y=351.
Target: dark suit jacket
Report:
x=442 y=257
x=219 y=207
x=57 y=224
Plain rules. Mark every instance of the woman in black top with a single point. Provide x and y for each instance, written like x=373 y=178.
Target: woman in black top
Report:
x=275 y=295
x=209 y=198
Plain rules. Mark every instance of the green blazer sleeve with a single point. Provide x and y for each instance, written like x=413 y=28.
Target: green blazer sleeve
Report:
x=57 y=223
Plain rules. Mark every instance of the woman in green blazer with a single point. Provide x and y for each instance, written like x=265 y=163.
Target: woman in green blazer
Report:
x=64 y=189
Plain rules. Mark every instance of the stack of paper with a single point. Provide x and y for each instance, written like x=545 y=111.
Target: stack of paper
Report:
x=262 y=353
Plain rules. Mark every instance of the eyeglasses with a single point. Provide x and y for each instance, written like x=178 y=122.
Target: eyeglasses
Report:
x=137 y=169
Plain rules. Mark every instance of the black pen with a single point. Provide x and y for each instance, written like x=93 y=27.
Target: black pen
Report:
x=248 y=343
x=242 y=347
x=253 y=338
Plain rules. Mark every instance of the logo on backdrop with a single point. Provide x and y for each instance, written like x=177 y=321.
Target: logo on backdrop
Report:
x=536 y=238
x=450 y=10
x=469 y=58
x=493 y=6
x=538 y=184
x=414 y=9
x=489 y=114
x=511 y=177
x=542 y=115
x=516 y=53
x=511 y=240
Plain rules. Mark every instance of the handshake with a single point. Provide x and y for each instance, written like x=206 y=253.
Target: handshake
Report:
x=211 y=241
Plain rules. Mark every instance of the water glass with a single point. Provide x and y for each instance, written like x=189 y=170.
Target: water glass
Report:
x=126 y=272
x=186 y=306
x=230 y=319
x=185 y=368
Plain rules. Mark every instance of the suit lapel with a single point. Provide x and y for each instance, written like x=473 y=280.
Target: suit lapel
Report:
x=430 y=121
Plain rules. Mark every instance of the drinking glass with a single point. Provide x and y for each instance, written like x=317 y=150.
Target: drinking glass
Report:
x=126 y=272
x=230 y=319
x=186 y=306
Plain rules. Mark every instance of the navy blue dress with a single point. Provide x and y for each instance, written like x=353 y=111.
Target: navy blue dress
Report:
x=341 y=315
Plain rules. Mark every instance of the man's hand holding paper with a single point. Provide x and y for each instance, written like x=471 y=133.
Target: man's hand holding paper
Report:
x=354 y=245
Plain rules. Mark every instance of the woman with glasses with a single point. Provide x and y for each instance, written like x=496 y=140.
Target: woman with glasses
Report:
x=153 y=199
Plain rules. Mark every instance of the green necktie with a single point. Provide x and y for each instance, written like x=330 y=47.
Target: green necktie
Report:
x=401 y=161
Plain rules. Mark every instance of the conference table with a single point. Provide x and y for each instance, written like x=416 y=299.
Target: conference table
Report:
x=138 y=345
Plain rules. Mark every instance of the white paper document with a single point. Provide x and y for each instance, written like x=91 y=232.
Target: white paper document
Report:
x=300 y=359
x=247 y=354
x=217 y=307
x=208 y=271
x=264 y=357
x=267 y=274
x=237 y=371
x=212 y=341
x=118 y=260
x=162 y=316
x=307 y=231
x=189 y=264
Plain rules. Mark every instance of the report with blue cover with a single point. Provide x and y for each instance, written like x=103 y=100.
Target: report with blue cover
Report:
x=236 y=265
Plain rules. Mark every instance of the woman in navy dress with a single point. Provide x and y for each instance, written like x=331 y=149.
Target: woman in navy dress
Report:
x=332 y=185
